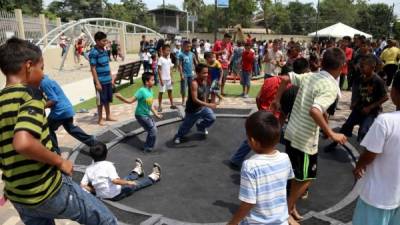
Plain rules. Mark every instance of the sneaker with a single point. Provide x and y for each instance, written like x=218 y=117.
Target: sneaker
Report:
x=204 y=131
x=156 y=174
x=147 y=150
x=139 y=167
x=245 y=96
x=173 y=107
x=177 y=140
x=159 y=109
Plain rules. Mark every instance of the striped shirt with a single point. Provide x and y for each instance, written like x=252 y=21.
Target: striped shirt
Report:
x=27 y=181
x=263 y=183
x=317 y=90
x=99 y=58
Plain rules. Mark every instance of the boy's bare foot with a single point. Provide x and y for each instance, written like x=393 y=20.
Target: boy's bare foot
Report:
x=101 y=122
x=296 y=215
x=173 y=107
x=111 y=119
x=292 y=221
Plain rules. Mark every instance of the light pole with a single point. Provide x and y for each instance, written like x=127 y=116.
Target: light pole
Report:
x=391 y=29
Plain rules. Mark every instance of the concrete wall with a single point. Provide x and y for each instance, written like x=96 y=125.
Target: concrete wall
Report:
x=133 y=41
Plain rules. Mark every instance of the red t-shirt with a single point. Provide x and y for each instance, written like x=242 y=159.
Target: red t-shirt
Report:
x=247 y=60
x=349 y=55
x=268 y=93
x=226 y=55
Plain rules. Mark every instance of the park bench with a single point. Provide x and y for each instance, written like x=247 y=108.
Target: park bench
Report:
x=127 y=72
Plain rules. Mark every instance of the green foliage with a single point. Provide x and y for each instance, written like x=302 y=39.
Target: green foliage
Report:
x=29 y=7
x=134 y=11
x=374 y=19
x=301 y=17
x=76 y=9
x=169 y=6
x=193 y=6
x=333 y=11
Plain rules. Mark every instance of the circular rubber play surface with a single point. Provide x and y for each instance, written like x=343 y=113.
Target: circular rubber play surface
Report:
x=197 y=184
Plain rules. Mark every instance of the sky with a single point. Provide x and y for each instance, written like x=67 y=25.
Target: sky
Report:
x=151 y=4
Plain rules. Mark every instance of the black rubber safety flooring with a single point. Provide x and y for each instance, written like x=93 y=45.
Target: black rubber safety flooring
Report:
x=197 y=184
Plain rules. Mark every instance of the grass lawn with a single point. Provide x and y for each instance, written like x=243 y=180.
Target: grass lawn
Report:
x=232 y=90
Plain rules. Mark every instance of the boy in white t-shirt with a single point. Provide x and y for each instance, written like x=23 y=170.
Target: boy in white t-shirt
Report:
x=101 y=178
x=165 y=66
x=378 y=169
x=264 y=176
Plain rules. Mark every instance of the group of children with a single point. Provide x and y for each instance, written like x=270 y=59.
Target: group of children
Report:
x=37 y=180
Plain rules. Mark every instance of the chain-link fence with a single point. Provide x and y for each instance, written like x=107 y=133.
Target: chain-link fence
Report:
x=8 y=26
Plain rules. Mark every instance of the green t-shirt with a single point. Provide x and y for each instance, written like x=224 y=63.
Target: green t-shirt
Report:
x=144 y=98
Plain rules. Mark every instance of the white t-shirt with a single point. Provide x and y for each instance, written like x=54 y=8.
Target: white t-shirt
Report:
x=166 y=65
x=273 y=56
x=207 y=47
x=146 y=56
x=100 y=175
x=380 y=186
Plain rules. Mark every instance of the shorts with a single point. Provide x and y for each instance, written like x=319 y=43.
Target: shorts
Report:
x=167 y=86
x=366 y=214
x=214 y=87
x=245 y=78
x=185 y=83
x=225 y=73
x=304 y=165
x=105 y=96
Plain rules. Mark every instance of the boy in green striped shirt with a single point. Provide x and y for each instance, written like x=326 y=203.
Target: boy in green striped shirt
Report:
x=317 y=91
x=37 y=180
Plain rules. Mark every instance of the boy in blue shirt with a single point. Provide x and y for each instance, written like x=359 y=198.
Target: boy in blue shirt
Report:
x=62 y=113
x=186 y=61
x=144 y=97
x=264 y=176
x=100 y=68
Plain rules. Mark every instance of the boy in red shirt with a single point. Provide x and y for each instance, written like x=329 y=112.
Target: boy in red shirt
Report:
x=248 y=58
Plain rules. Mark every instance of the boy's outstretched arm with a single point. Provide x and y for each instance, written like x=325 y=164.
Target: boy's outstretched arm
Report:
x=125 y=100
x=275 y=105
x=242 y=212
x=319 y=119
x=25 y=144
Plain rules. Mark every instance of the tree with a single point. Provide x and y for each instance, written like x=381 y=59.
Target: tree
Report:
x=374 y=19
x=77 y=9
x=266 y=6
x=279 y=19
x=134 y=11
x=193 y=6
x=333 y=11
x=29 y=7
x=168 y=6
x=301 y=17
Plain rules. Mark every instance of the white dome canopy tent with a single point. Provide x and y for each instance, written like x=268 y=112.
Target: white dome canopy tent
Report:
x=338 y=30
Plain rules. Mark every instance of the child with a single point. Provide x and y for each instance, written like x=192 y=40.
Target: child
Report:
x=264 y=99
x=102 y=178
x=114 y=50
x=186 y=60
x=372 y=94
x=144 y=96
x=237 y=60
x=154 y=68
x=197 y=106
x=264 y=176
x=145 y=57
x=48 y=191
x=214 y=79
x=62 y=113
x=164 y=72
x=377 y=169
x=100 y=68
x=248 y=59
x=317 y=91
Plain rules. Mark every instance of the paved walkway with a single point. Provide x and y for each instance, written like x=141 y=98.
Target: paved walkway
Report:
x=87 y=121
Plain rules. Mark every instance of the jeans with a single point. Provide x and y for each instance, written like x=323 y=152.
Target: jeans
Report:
x=185 y=84
x=148 y=124
x=207 y=116
x=390 y=71
x=356 y=117
x=70 y=202
x=72 y=129
x=146 y=66
x=128 y=190
x=240 y=154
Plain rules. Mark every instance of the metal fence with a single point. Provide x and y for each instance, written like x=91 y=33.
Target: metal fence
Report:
x=32 y=26
x=8 y=26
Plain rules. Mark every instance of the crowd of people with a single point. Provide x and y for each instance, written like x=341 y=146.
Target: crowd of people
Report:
x=302 y=85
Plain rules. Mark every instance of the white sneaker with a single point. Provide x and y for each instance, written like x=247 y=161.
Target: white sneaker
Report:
x=156 y=174
x=177 y=141
x=138 y=167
